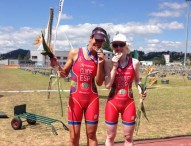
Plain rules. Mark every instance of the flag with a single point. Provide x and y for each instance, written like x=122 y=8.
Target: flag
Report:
x=136 y=54
x=58 y=21
x=37 y=41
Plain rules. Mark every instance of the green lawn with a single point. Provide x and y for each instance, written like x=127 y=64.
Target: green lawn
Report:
x=167 y=106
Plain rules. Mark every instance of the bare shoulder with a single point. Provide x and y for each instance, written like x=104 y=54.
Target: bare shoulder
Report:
x=73 y=54
x=136 y=64
x=135 y=61
x=74 y=51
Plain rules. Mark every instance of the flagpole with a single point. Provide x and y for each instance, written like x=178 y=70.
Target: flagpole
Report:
x=187 y=30
x=58 y=21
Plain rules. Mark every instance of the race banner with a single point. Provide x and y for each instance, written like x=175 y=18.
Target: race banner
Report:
x=58 y=21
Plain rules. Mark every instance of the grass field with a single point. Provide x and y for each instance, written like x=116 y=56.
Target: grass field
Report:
x=167 y=106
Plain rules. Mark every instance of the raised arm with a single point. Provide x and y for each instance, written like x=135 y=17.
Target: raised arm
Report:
x=100 y=68
x=110 y=70
x=64 y=71
x=109 y=74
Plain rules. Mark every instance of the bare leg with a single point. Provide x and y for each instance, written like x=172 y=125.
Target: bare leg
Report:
x=74 y=135
x=111 y=133
x=128 y=135
x=91 y=134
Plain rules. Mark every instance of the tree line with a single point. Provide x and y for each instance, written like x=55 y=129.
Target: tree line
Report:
x=156 y=57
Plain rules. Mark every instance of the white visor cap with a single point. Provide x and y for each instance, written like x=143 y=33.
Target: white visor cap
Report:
x=119 y=38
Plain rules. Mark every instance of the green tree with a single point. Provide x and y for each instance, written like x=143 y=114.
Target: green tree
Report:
x=106 y=45
x=19 y=57
x=162 y=60
x=27 y=57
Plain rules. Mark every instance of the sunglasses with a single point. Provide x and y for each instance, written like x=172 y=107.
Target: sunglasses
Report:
x=118 y=45
x=99 y=40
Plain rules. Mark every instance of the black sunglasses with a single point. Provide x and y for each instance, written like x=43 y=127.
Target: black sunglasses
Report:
x=118 y=45
x=99 y=40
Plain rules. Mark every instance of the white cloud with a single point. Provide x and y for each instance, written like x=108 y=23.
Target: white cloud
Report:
x=166 y=13
x=65 y=16
x=170 y=10
x=152 y=41
x=93 y=2
x=5 y=36
x=145 y=29
x=7 y=43
x=96 y=3
x=155 y=45
x=171 y=25
x=6 y=28
x=132 y=29
x=78 y=35
x=175 y=6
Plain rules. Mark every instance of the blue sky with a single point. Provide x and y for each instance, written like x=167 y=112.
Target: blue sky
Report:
x=150 y=25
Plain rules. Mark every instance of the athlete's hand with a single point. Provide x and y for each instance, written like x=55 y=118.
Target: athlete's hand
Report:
x=143 y=94
x=101 y=57
x=54 y=62
x=115 y=59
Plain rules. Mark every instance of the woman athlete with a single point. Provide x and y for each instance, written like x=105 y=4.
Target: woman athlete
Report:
x=120 y=72
x=86 y=66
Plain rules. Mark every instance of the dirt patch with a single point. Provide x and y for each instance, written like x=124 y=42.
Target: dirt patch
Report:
x=10 y=66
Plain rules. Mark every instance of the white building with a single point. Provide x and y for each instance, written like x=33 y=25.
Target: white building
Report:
x=146 y=63
x=41 y=60
x=9 y=62
x=167 y=58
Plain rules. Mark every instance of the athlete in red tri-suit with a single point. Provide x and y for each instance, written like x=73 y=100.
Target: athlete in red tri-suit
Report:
x=121 y=97
x=83 y=93
x=86 y=66
x=120 y=72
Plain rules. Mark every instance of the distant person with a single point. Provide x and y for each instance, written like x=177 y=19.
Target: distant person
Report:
x=120 y=72
x=86 y=66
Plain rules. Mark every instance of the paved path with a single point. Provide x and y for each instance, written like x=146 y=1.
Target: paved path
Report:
x=174 y=141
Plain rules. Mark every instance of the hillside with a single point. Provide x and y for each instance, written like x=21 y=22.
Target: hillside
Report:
x=16 y=54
